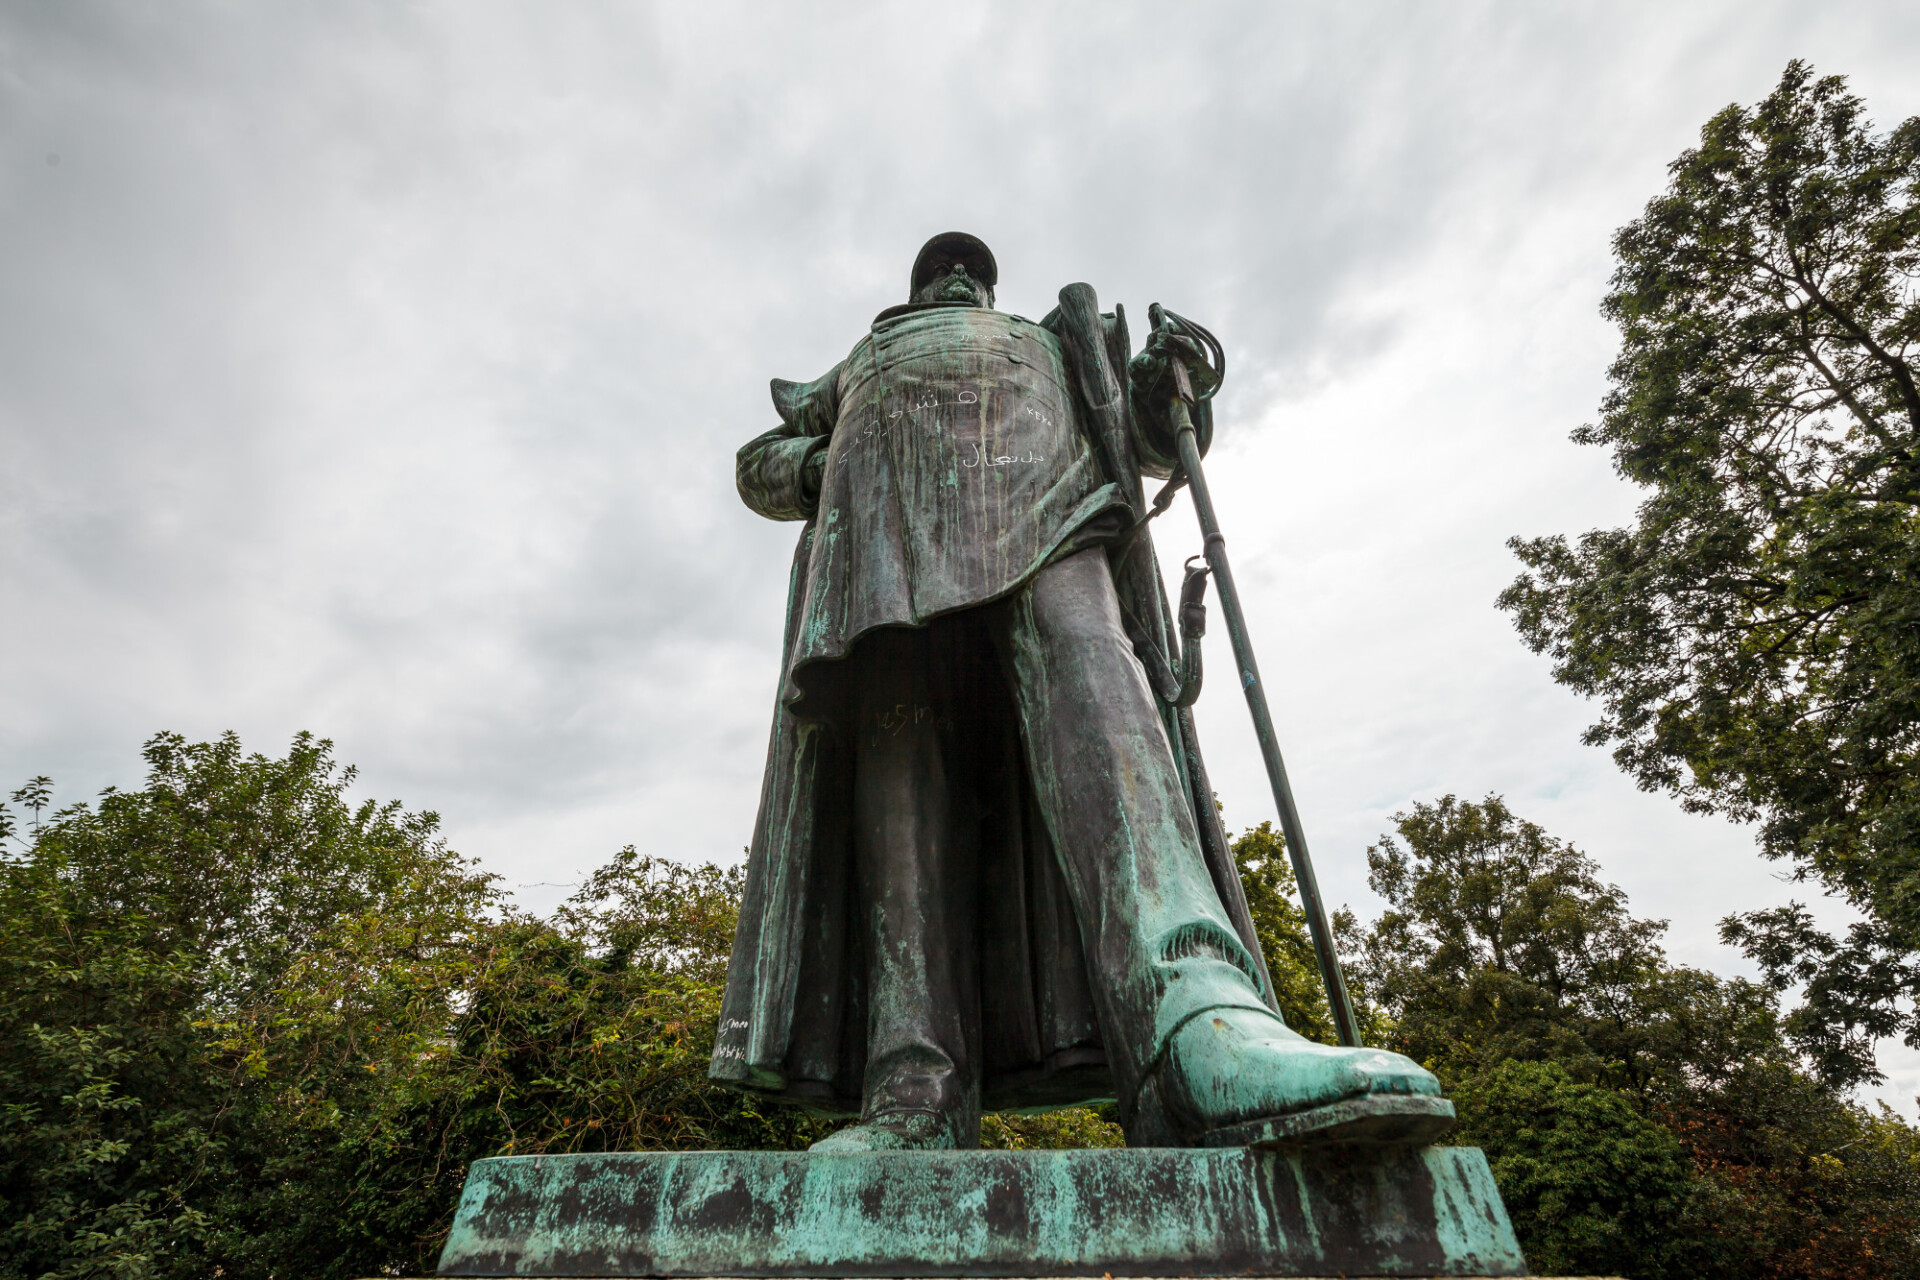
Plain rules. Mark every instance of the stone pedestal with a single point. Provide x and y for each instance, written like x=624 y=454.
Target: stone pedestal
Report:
x=1142 y=1212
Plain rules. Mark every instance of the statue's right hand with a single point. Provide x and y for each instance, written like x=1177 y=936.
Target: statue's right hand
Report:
x=812 y=473
x=1149 y=369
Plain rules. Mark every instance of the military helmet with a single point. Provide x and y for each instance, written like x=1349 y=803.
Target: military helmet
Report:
x=949 y=247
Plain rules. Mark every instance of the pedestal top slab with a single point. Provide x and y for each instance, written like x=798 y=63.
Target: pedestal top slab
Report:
x=1137 y=1212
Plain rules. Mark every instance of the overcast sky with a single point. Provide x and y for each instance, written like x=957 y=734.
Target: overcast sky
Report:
x=377 y=369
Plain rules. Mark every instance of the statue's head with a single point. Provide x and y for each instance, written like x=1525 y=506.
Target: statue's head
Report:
x=954 y=267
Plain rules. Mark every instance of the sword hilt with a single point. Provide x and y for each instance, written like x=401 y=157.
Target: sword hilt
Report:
x=1213 y=357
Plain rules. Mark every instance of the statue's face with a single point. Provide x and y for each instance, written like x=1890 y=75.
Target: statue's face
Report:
x=951 y=282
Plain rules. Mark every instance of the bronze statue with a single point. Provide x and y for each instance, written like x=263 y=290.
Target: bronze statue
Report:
x=987 y=871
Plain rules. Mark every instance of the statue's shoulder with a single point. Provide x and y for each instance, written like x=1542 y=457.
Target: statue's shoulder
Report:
x=1112 y=323
x=809 y=407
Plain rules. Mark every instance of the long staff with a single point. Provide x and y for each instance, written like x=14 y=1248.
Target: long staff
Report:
x=1338 y=1001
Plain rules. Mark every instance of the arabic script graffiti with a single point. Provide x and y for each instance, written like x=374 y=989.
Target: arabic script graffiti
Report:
x=876 y=427
x=981 y=458
x=929 y=398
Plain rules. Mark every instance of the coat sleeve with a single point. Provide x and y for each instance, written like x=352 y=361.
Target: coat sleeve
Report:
x=778 y=472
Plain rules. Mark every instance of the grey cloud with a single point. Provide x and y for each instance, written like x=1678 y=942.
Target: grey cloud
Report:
x=377 y=369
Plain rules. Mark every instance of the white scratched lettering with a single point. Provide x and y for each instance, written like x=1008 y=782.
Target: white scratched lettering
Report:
x=982 y=459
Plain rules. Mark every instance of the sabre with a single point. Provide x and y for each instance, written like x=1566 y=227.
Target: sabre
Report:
x=1215 y=549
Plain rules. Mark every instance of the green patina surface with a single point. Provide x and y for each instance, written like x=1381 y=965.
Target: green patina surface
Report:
x=1141 y=1212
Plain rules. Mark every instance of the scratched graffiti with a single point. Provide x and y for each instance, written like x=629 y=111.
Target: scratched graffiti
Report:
x=981 y=458
x=900 y=715
x=926 y=401
x=920 y=411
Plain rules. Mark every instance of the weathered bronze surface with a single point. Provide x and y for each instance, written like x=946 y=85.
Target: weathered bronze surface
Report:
x=987 y=870
x=1165 y=1212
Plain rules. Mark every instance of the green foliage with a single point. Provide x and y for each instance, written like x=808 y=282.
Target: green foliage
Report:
x=107 y=1102
x=392 y=1062
x=1853 y=989
x=1791 y=1180
x=129 y=933
x=1074 y=1127
x=1500 y=942
x=1754 y=639
x=657 y=916
x=1266 y=875
x=1642 y=1119
x=1593 y=1187
x=251 y=1029
x=242 y=861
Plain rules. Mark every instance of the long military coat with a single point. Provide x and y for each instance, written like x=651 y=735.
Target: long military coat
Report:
x=793 y=1022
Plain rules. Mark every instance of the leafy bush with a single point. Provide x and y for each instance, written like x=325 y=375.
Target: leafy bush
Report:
x=1642 y=1118
x=1593 y=1186
x=253 y=1029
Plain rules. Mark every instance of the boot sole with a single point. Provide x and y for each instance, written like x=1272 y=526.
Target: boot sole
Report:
x=1378 y=1120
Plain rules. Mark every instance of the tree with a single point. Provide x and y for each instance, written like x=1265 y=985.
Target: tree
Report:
x=131 y=932
x=1754 y=638
x=386 y=1061
x=1260 y=855
x=250 y=1028
x=1500 y=942
x=1642 y=1118
x=1852 y=990
x=1592 y=1185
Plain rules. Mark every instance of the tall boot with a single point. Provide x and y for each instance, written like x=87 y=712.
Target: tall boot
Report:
x=1196 y=1053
